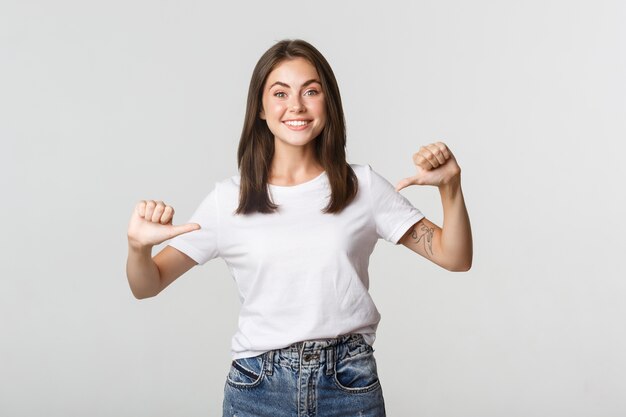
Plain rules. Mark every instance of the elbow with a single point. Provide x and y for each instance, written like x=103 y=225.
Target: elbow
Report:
x=462 y=262
x=138 y=295
x=460 y=266
x=141 y=295
x=142 y=289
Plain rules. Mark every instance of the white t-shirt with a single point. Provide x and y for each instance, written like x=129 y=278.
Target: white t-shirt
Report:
x=301 y=274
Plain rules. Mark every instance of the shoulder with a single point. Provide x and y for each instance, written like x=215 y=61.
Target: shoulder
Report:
x=367 y=174
x=358 y=167
x=361 y=170
x=370 y=178
x=227 y=183
x=222 y=187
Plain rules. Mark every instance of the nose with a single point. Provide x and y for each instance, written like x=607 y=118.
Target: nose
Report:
x=296 y=105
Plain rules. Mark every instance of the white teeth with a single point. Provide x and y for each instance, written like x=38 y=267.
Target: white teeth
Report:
x=296 y=123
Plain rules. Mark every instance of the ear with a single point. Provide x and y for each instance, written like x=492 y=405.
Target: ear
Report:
x=262 y=114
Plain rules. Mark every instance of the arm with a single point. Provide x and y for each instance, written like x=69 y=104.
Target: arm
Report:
x=451 y=246
x=148 y=276
x=151 y=224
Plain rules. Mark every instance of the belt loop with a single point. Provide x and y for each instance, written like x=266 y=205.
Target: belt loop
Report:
x=330 y=360
x=269 y=362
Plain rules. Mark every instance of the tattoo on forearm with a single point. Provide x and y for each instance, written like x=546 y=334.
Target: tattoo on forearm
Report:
x=425 y=235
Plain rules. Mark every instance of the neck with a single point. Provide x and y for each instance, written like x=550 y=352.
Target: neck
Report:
x=293 y=164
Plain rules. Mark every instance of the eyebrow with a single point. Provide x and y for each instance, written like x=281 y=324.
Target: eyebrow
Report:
x=288 y=86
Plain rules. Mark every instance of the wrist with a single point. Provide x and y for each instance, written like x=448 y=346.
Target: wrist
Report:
x=451 y=186
x=137 y=247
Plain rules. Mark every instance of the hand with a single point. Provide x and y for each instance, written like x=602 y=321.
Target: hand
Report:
x=435 y=166
x=151 y=224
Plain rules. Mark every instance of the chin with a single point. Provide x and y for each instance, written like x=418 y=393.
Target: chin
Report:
x=296 y=142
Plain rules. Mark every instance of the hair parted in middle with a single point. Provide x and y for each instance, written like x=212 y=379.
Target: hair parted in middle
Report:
x=256 y=145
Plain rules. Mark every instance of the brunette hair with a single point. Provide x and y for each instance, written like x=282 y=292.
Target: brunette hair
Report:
x=256 y=145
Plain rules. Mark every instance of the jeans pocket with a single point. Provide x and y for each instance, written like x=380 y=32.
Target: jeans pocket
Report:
x=246 y=372
x=357 y=372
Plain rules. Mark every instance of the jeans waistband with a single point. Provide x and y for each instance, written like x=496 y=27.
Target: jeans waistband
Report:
x=315 y=352
x=309 y=346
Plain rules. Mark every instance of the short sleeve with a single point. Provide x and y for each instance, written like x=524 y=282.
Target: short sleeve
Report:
x=393 y=213
x=201 y=245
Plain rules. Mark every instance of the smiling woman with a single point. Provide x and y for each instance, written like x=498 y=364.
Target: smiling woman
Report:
x=294 y=128
x=294 y=109
x=297 y=227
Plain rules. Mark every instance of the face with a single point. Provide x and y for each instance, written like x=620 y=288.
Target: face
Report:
x=293 y=102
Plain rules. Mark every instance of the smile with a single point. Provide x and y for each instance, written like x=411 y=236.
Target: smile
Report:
x=296 y=123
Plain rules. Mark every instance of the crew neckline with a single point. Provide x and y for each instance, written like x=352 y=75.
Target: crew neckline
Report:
x=297 y=186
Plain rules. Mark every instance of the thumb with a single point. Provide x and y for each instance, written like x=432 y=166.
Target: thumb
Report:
x=183 y=228
x=404 y=183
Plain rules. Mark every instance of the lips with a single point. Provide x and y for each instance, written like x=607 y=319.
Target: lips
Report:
x=297 y=124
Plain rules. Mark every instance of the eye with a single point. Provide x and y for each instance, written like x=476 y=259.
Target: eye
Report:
x=311 y=93
x=279 y=94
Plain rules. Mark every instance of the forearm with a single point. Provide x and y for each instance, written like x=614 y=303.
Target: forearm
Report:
x=143 y=274
x=456 y=233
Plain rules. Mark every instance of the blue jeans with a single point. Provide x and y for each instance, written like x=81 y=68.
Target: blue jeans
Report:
x=314 y=378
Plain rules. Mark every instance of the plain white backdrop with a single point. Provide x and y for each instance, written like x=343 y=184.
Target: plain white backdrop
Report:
x=104 y=103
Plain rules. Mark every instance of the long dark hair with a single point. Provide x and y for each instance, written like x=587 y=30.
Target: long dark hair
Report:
x=256 y=146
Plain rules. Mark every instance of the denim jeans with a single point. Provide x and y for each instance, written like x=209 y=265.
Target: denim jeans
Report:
x=314 y=378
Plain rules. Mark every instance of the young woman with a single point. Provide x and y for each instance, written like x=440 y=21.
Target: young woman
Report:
x=296 y=228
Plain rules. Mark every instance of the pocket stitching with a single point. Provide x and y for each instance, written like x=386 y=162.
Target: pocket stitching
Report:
x=239 y=368
x=356 y=390
x=245 y=370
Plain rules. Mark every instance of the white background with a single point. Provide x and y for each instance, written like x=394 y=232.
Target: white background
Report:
x=106 y=103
